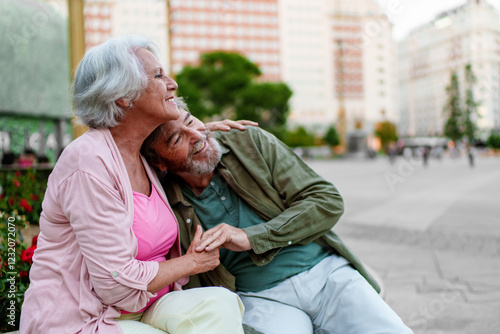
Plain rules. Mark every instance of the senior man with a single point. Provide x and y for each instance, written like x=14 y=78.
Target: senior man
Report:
x=272 y=218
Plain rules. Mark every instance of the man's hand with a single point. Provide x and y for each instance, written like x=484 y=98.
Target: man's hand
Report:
x=227 y=125
x=226 y=236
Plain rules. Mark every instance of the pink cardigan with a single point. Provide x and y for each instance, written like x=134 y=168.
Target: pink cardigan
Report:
x=84 y=269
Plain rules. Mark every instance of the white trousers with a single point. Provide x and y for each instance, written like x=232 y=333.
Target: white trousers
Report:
x=332 y=297
x=210 y=310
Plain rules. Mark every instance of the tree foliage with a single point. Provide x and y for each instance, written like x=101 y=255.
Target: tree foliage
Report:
x=386 y=132
x=461 y=116
x=470 y=112
x=331 y=136
x=225 y=83
x=453 y=126
x=299 y=137
x=494 y=140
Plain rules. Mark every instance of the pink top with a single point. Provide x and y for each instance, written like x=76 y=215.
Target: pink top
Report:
x=156 y=230
x=85 y=268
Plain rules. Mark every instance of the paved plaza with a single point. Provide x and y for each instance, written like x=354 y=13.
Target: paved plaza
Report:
x=432 y=234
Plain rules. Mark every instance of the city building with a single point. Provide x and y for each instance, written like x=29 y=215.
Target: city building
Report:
x=35 y=107
x=469 y=34
x=249 y=27
x=339 y=58
x=105 y=19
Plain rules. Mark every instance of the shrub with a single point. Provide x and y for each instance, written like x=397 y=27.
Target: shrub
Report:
x=21 y=195
x=22 y=191
x=15 y=259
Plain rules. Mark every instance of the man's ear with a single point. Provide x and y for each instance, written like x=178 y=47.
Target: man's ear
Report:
x=123 y=103
x=160 y=165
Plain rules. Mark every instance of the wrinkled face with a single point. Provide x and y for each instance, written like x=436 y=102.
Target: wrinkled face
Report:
x=187 y=147
x=157 y=100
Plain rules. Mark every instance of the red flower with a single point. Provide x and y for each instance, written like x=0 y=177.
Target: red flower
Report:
x=2 y=196
x=11 y=201
x=34 y=197
x=34 y=241
x=23 y=274
x=16 y=183
x=18 y=173
x=27 y=255
x=25 y=205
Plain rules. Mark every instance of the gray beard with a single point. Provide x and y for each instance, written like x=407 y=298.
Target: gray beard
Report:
x=199 y=168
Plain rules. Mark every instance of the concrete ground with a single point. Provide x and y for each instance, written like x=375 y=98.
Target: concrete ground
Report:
x=432 y=234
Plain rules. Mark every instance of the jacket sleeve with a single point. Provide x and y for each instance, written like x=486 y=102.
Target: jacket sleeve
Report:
x=102 y=227
x=311 y=205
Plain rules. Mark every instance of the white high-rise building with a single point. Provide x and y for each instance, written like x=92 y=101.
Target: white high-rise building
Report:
x=307 y=65
x=469 y=34
x=339 y=53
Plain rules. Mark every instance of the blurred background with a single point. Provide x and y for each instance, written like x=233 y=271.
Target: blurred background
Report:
x=335 y=78
x=397 y=102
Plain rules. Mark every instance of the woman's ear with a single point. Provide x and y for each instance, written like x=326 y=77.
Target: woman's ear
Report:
x=123 y=103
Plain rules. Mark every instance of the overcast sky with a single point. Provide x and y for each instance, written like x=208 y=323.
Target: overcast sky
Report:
x=409 y=14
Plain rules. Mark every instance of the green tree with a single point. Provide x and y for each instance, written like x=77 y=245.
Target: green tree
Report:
x=493 y=140
x=470 y=113
x=386 y=131
x=331 y=137
x=225 y=84
x=266 y=103
x=453 y=126
x=299 y=137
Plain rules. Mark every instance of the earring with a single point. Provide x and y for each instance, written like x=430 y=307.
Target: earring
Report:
x=130 y=105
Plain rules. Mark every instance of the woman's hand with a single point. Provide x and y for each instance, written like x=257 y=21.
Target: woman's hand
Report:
x=203 y=261
x=227 y=125
x=191 y=263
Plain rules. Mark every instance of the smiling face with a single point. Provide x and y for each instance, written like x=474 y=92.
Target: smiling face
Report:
x=157 y=100
x=187 y=147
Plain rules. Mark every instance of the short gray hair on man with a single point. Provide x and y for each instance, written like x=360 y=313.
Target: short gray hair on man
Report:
x=108 y=72
x=147 y=149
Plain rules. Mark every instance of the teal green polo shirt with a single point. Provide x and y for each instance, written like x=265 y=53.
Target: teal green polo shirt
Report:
x=220 y=204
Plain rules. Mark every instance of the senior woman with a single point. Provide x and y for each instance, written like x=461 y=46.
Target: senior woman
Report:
x=108 y=257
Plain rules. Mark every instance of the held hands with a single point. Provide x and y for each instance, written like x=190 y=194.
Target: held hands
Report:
x=204 y=260
x=226 y=236
x=227 y=125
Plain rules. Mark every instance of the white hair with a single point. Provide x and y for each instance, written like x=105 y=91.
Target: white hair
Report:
x=109 y=72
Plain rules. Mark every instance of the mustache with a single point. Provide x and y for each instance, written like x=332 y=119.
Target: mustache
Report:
x=206 y=136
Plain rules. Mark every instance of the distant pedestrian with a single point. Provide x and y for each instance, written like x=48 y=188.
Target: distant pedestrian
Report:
x=470 y=155
x=425 y=155
x=391 y=152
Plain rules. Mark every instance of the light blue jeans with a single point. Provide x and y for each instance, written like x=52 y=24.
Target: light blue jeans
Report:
x=331 y=297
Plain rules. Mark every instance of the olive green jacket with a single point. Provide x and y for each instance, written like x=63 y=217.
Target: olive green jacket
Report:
x=298 y=205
